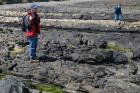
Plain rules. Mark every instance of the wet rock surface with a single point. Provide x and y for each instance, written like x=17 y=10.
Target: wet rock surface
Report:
x=76 y=60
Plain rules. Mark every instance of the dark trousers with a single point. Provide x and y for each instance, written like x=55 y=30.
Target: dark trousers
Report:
x=118 y=17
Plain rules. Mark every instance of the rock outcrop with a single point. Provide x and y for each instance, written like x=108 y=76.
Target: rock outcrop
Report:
x=11 y=84
x=71 y=52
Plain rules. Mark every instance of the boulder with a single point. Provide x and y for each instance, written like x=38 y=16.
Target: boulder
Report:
x=134 y=79
x=11 y=84
x=119 y=58
x=120 y=86
x=103 y=44
x=136 y=54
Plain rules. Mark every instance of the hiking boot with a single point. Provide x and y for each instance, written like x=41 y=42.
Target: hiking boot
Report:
x=34 y=60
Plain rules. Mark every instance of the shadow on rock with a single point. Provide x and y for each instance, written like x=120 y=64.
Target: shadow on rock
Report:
x=98 y=58
x=47 y=59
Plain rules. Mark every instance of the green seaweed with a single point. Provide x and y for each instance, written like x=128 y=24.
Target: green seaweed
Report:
x=117 y=47
x=43 y=87
x=2 y=75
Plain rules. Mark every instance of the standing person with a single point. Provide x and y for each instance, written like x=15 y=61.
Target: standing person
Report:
x=31 y=27
x=118 y=13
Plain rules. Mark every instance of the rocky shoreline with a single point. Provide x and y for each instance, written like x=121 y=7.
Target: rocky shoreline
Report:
x=74 y=60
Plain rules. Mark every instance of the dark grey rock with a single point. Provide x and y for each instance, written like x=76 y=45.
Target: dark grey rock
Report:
x=119 y=86
x=86 y=17
x=100 y=76
x=11 y=84
x=132 y=68
x=103 y=45
x=136 y=54
x=11 y=68
x=134 y=79
x=119 y=58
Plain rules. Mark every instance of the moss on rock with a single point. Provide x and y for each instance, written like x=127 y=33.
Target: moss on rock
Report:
x=43 y=87
x=117 y=47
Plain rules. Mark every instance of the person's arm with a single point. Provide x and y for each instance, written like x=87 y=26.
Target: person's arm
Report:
x=120 y=10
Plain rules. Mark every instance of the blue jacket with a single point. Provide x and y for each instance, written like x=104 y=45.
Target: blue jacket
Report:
x=117 y=10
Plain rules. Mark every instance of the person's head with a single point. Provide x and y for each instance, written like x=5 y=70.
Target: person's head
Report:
x=34 y=8
x=29 y=11
x=118 y=5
